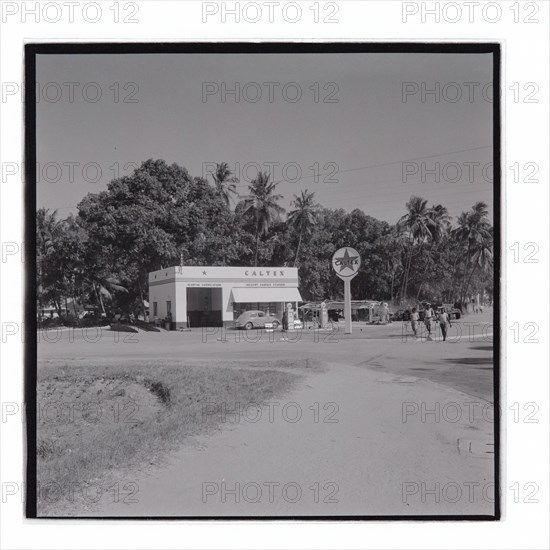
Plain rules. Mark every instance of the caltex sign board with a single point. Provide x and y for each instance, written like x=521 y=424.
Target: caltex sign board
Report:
x=346 y=262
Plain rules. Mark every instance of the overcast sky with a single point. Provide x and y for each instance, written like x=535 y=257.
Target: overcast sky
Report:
x=362 y=137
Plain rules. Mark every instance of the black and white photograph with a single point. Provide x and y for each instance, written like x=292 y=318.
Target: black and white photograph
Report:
x=264 y=280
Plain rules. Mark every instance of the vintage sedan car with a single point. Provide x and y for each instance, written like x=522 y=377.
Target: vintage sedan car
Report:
x=256 y=319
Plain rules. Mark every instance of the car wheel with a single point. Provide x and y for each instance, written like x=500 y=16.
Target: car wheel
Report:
x=275 y=324
x=249 y=326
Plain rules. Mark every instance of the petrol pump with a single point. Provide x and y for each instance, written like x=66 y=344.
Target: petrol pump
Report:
x=323 y=321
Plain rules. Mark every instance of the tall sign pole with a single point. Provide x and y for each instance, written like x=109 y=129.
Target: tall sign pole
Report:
x=346 y=263
x=347 y=306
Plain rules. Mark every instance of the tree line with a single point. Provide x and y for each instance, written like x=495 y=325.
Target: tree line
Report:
x=161 y=215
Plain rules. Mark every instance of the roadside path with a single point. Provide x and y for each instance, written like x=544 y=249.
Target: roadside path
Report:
x=371 y=461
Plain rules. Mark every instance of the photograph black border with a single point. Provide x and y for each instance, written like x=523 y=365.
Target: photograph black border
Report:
x=108 y=48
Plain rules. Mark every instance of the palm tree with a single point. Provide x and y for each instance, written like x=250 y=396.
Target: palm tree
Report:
x=473 y=225
x=47 y=229
x=480 y=213
x=224 y=182
x=419 y=225
x=261 y=202
x=393 y=247
x=441 y=221
x=304 y=217
x=103 y=287
x=482 y=257
x=475 y=233
x=438 y=229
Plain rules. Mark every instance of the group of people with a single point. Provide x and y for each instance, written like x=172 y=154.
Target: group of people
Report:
x=477 y=308
x=430 y=318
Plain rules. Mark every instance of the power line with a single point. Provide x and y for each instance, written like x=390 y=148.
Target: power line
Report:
x=361 y=168
x=379 y=165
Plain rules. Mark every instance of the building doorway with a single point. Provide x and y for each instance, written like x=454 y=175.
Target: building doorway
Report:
x=204 y=307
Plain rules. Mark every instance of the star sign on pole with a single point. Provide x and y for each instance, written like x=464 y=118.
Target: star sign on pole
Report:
x=346 y=261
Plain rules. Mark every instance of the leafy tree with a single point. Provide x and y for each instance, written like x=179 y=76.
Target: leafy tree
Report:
x=160 y=213
x=145 y=221
x=48 y=230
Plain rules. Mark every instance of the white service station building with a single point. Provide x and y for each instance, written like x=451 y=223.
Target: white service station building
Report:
x=214 y=296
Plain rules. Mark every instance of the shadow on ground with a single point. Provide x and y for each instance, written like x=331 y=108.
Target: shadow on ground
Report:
x=470 y=360
x=469 y=371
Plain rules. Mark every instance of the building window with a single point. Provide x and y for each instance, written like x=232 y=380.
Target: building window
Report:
x=168 y=307
x=155 y=309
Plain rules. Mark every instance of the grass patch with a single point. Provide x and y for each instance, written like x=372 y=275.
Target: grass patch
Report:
x=97 y=424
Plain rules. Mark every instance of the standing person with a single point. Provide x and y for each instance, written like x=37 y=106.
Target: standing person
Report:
x=444 y=322
x=285 y=323
x=428 y=317
x=415 y=317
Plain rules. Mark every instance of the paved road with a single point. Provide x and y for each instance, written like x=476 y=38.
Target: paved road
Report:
x=463 y=363
x=394 y=426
